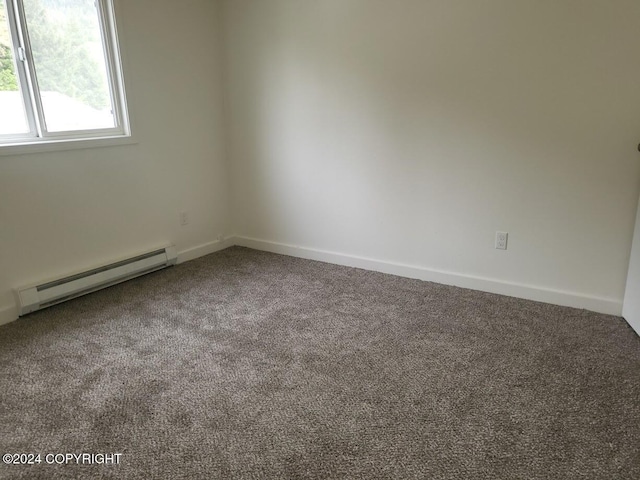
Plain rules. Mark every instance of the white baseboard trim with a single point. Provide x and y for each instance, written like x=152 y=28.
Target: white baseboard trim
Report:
x=609 y=306
x=8 y=314
x=204 y=249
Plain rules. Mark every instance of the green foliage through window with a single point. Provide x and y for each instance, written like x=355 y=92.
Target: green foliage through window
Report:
x=8 y=80
x=7 y=75
x=56 y=59
x=62 y=41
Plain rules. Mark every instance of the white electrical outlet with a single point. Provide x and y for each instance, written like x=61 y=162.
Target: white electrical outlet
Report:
x=184 y=218
x=501 y=240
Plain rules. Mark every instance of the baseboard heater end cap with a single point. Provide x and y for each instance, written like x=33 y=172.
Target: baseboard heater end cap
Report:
x=172 y=255
x=28 y=300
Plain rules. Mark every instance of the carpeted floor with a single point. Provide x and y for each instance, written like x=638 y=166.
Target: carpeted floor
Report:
x=245 y=364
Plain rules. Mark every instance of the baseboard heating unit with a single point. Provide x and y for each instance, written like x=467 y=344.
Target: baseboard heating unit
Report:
x=50 y=293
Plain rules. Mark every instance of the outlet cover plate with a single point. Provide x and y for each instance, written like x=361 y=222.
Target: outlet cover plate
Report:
x=501 y=240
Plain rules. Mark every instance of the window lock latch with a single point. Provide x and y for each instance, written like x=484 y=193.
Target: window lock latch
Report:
x=22 y=54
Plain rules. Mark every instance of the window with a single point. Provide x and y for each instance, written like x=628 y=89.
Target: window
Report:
x=60 y=73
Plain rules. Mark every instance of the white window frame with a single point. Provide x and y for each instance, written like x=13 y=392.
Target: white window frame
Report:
x=39 y=139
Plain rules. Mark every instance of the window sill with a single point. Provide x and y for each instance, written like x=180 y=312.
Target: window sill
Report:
x=22 y=148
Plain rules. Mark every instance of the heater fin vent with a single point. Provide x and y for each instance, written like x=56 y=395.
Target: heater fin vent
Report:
x=65 y=288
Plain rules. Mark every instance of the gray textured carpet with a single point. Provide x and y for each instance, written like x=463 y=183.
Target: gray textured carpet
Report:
x=245 y=364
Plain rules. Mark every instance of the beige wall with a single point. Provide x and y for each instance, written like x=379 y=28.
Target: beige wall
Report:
x=68 y=210
x=410 y=131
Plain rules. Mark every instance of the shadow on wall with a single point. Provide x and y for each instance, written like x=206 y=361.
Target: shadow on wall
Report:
x=414 y=133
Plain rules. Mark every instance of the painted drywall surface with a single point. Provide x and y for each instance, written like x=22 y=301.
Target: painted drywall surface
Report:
x=68 y=210
x=410 y=131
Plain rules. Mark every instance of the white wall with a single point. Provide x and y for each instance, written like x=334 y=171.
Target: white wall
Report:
x=73 y=209
x=405 y=132
x=410 y=131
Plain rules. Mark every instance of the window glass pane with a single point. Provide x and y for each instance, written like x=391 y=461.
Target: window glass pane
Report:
x=12 y=116
x=70 y=64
